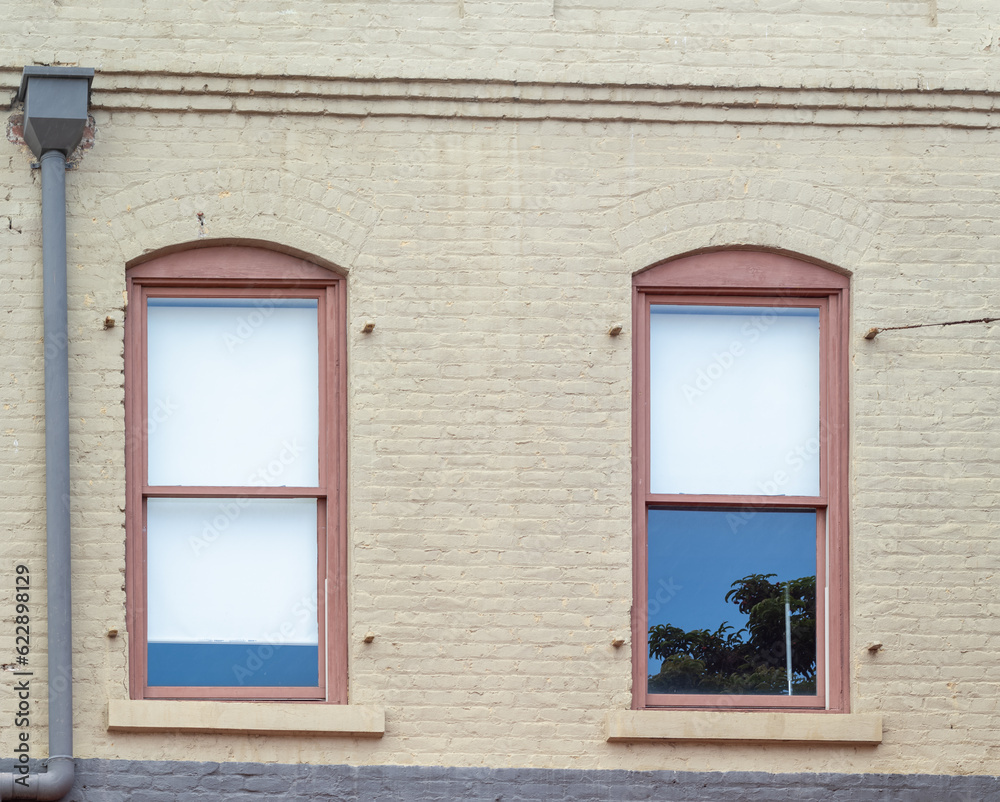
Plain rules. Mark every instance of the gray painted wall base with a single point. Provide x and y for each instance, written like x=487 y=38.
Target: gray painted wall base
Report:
x=150 y=781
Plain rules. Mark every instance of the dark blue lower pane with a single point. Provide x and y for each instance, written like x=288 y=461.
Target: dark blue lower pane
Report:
x=232 y=665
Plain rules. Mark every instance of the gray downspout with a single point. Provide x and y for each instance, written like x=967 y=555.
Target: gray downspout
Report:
x=54 y=120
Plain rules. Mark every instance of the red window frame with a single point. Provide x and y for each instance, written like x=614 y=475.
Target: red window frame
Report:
x=753 y=278
x=253 y=272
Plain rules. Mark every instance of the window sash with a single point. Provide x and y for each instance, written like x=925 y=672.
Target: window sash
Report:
x=220 y=368
x=743 y=701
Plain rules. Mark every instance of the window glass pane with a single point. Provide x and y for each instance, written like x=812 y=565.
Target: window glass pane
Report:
x=233 y=392
x=734 y=400
x=228 y=582
x=700 y=642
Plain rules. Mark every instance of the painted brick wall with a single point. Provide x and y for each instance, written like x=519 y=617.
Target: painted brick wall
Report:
x=490 y=413
x=909 y=45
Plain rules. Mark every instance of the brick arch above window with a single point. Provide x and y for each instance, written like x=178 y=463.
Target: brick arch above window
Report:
x=275 y=206
x=777 y=214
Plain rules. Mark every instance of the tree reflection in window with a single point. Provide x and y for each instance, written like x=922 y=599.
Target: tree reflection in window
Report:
x=752 y=659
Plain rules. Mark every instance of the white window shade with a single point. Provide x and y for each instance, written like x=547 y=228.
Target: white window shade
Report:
x=232 y=570
x=734 y=400
x=233 y=392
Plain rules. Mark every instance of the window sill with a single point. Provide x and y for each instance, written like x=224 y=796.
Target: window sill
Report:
x=246 y=717
x=696 y=725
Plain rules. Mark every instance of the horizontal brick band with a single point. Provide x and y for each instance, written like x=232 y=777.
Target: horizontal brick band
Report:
x=102 y=780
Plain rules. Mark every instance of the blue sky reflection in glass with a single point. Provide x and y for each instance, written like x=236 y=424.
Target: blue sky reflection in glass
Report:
x=695 y=555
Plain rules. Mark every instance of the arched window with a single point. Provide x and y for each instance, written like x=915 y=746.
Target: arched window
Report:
x=740 y=460
x=234 y=392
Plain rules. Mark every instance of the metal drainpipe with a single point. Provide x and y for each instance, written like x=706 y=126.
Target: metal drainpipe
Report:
x=55 y=114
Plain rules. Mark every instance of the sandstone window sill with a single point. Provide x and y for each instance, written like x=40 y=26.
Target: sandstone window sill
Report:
x=356 y=721
x=630 y=726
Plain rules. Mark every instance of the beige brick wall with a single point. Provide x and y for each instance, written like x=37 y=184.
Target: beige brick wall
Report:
x=490 y=413
x=920 y=44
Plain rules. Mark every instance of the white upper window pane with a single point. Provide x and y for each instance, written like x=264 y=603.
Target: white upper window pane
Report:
x=233 y=393
x=233 y=570
x=734 y=400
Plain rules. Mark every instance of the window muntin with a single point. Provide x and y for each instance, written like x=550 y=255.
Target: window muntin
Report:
x=235 y=456
x=696 y=304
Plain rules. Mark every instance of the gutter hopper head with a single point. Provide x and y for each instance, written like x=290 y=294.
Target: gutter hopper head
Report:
x=55 y=107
